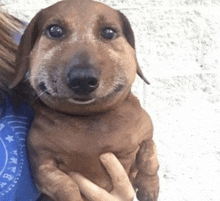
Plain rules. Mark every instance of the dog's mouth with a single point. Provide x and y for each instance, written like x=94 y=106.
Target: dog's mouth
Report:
x=84 y=99
x=81 y=101
x=76 y=100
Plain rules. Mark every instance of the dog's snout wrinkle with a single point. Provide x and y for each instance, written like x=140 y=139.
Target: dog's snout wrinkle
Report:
x=82 y=80
x=43 y=88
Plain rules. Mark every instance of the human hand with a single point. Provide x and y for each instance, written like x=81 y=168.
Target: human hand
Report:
x=122 y=188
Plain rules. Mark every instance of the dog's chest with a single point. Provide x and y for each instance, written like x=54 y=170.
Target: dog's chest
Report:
x=97 y=133
x=76 y=142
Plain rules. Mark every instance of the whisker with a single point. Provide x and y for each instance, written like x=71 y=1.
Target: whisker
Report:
x=28 y=78
x=38 y=95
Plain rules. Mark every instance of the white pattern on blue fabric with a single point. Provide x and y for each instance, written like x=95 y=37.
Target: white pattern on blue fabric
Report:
x=16 y=182
x=13 y=157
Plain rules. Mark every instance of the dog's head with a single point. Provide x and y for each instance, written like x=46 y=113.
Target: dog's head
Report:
x=80 y=55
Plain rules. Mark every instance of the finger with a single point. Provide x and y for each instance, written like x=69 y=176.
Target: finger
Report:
x=90 y=190
x=118 y=175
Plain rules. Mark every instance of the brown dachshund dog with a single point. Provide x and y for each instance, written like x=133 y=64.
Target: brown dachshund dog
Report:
x=81 y=58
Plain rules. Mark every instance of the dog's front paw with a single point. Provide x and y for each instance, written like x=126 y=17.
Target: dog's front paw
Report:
x=148 y=187
x=146 y=195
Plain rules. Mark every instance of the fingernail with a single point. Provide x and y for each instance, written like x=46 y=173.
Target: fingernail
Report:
x=105 y=156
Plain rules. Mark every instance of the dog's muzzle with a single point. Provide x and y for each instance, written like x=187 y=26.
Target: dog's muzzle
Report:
x=82 y=80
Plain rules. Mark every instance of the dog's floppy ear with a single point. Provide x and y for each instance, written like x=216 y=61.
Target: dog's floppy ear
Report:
x=127 y=30
x=129 y=35
x=24 y=49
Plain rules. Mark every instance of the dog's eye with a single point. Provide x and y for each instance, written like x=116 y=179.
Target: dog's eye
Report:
x=109 y=33
x=55 y=31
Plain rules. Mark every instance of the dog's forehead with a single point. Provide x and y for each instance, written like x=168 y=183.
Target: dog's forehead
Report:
x=81 y=10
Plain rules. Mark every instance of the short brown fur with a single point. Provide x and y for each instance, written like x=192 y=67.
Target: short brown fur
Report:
x=71 y=130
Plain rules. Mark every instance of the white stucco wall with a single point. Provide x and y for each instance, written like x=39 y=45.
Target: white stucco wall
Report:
x=178 y=47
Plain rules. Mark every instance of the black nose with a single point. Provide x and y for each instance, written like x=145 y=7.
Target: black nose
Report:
x=82 y=80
